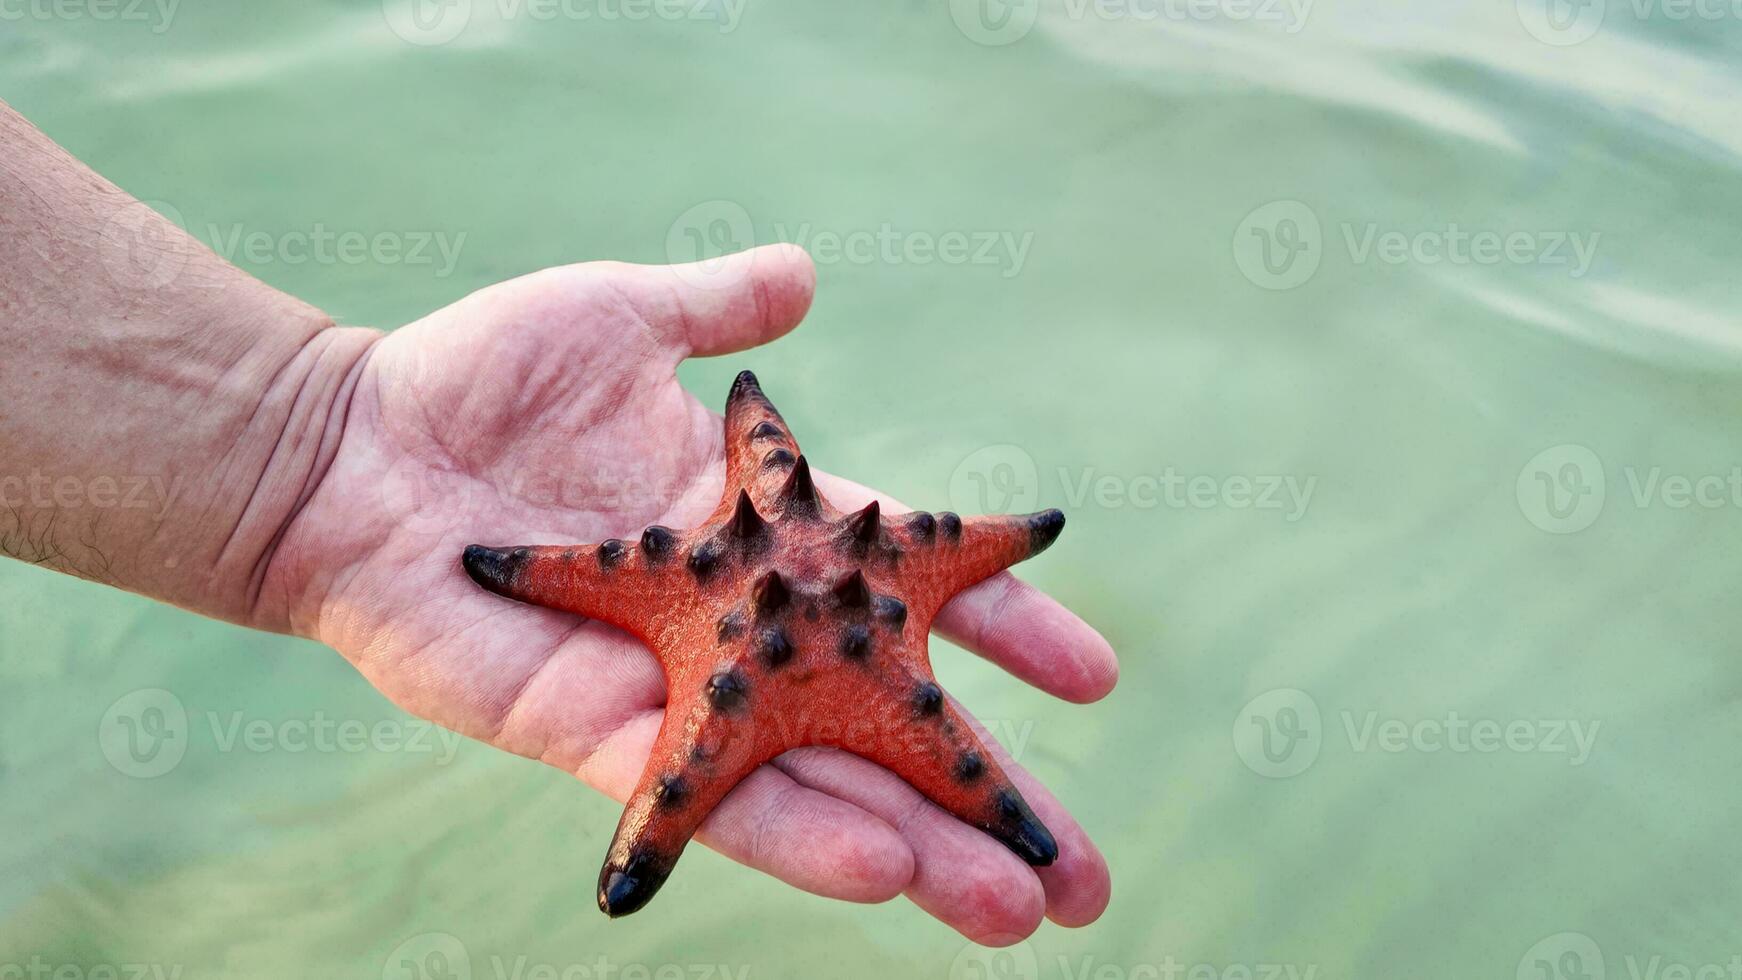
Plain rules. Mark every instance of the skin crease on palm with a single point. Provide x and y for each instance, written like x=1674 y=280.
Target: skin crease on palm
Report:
x=546 y=409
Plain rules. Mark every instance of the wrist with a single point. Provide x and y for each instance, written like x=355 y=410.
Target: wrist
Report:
x=290 y=441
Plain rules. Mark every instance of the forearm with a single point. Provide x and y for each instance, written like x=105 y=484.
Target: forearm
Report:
x=164 y=414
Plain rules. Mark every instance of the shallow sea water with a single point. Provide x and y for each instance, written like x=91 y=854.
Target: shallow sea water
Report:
x=1384 y=357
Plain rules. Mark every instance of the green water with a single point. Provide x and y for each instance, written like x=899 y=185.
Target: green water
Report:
x=1446 y=586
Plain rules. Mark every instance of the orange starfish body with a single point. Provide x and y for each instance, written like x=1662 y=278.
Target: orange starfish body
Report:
x=781 y=622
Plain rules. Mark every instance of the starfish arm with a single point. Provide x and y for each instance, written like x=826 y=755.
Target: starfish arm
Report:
x=611 y=581
x=761 y=452
x=951 y=553
x=698 y=757
x=936 y=751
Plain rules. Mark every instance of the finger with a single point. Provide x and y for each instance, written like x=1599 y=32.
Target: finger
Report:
x=961 y=876
x=1011 y=623
x=1027 y=632
x=1078 y=885
x=811 y=840
x=718 y=306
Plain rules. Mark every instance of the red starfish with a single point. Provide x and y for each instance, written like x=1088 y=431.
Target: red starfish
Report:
x=782 y=623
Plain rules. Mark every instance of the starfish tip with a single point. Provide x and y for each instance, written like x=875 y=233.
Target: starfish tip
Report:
x=1044 y=529
x=627 y=884
x=491 y=568
x=745 y=381
x=1023 y=833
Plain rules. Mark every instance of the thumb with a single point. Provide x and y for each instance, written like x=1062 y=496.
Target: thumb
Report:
x=734 y=302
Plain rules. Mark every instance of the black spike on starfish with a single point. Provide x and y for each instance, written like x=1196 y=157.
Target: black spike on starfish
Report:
x=780 y=623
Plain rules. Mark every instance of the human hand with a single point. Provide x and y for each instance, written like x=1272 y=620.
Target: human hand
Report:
x=547 y=409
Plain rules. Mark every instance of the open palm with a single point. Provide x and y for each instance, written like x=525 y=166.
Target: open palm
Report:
x=547 y=410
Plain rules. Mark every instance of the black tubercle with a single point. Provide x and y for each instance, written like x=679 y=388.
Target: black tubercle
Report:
x=928 y=699
x=891 y=610
x=970 y=766
x=705 y=558
x=774 y=647
x=852 y=592
x=863 y=526
x=771 y=593
x=1043 y=529
x=670 y=792
x=923 y=524
x=856 y=641
x=766 y=430
x=745 y=524
x=729 y=627
x=951 y=525
x=799 y=494
x=611 y=552
x=728 y=690
x=657 y=542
